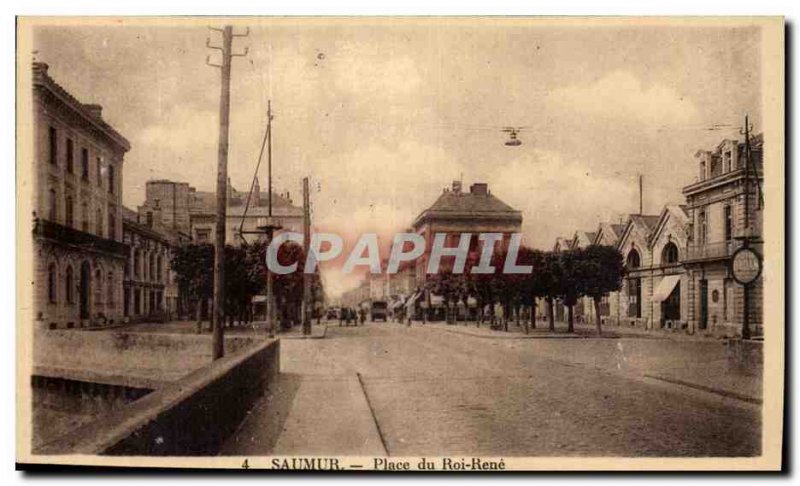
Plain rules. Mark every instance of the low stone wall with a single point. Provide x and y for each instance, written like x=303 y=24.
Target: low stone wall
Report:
x=126 y=356
x=191 y=416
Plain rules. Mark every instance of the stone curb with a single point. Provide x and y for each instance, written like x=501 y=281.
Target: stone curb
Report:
x=709 y=389
x=522 y=336
x=312 y=336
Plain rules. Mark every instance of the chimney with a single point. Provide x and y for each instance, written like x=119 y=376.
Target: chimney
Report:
x=256 y=193
x=39 y=69
x=457 y=187
x=479 y=188
x=95 y=110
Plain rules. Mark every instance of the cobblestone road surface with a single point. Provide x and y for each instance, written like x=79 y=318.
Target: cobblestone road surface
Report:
x=439 y=393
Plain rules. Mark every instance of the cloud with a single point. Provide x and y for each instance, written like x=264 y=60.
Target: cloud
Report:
x=621 y=96
x=554 y=194
x=373 y=73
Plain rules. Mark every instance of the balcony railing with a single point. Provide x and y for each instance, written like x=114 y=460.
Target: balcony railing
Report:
x=69 y=236
x=710 y=251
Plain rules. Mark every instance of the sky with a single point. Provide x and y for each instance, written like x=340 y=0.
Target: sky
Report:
x=381 y=116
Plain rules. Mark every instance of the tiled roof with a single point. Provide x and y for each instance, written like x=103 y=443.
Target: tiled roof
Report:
x=618 y=229
x=649 y=221
x=42 y=79
x=465 y=204
x=206 y=201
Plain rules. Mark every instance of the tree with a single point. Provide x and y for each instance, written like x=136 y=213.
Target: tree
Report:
x=451 y=287
x=601 y=273
x=192 y=265
x=531 y=286
x=549 y=282
x=571 y=281
x=287 y=288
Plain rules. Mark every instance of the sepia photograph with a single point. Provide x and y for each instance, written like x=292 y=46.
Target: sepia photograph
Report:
x=400 y=243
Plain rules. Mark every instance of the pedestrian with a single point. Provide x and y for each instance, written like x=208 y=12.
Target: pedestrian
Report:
x=341 y=316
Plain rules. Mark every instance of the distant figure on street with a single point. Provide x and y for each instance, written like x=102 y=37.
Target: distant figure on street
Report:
x=363 y=315
x=341 y=316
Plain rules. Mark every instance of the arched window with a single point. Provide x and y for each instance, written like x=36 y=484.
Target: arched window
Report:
x=669 y=255
x=69 y=286
x=110 y=289
x=69 y=208
x=51 y=283
x=633 y=260
x=52 y=206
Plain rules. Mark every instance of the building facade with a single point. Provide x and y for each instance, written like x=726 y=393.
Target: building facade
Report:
x=150 y=289
x=725 y=209
x=456 y=212
x=678 y=263
x=79 y=255
x=185 y=209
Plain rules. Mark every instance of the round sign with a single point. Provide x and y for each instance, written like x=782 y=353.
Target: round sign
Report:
x=745 y=266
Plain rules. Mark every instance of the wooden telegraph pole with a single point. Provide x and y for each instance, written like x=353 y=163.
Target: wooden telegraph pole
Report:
x=269 y=227
x=306 y=245
x=218 y=319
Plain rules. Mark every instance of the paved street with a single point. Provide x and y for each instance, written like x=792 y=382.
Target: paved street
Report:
x=425 y=391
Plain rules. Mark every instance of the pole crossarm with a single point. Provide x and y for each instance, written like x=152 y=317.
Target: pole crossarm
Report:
x=246 y=51
x=246 y=33
x=209 y=63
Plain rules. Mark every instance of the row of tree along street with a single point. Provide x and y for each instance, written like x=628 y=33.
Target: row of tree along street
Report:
x=245 y=278
x=564 y=276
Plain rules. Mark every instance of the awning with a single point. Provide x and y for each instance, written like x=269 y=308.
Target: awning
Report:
x=471 y=302
x=410 y=302
x=665 y=287
x=435 y=300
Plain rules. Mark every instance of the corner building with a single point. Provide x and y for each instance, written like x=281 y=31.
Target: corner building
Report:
x=79 y=255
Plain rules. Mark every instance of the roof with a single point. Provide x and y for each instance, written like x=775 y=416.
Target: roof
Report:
x=615 y=230
x=584 y=238
x=206 y=201
x=677 y=211
x=42 y=80
x=130 y=220
x=562 y=243
x=648 y=222
x=468 y=205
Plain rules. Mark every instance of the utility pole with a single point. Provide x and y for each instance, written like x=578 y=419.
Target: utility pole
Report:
x=269 y=227
x=746 y=334
x=641 y=205
x=306 y=246
x=217 y=341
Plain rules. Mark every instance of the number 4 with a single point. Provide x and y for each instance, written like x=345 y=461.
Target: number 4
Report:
x=245 y=465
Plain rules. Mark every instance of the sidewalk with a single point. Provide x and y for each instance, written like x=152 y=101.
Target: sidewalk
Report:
x=484 y=331
x=702 y=363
